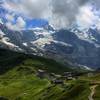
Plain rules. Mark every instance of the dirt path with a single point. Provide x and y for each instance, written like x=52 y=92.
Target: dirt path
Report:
x=92 y=88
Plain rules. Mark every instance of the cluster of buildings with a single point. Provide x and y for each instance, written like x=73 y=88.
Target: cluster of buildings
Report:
x=57 y=79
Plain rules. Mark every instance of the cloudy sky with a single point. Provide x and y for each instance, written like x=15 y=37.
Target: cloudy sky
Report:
x=20 y=14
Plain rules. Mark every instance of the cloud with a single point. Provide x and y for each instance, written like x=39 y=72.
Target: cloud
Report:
x=59 y=13
x=64 y=12
x=31 y=8
x=96 y=3
x=10 y=17
x=86 y=17
x=20 y=24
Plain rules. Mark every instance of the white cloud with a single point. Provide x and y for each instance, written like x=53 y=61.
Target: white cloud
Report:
x=31 y=8
x=60 y=13
x=87 y=18
x=64 y=12
x=10 y=17
x=20 y=24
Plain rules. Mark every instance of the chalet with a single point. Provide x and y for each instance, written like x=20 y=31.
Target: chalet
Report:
x=57 y=81
x=90 y=74
x=58 y=76
x=41 y=73
x=52 y=76
x=69 y=76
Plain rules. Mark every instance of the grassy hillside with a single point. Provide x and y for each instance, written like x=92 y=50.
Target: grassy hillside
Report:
x=40 y=90
x=22 y=85
x=97 y=94
x=93 y=80
x=10 y=59
x=18 y=79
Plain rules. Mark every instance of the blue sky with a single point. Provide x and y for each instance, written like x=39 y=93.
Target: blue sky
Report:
x=36 y=23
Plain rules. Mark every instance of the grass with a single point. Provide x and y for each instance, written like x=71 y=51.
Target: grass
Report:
x=78 y=91
x=10 y=59
x=16 y=85
x=97 y=94
x=18 y=80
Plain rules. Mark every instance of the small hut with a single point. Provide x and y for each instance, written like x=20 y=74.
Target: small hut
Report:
x=68 y=75
x=52 y=76
x=57 y=81
x=41 y=73
x=90 y=74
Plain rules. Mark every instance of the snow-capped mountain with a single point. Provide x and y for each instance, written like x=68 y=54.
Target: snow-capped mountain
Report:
x=75 y=47
x=91 y=35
